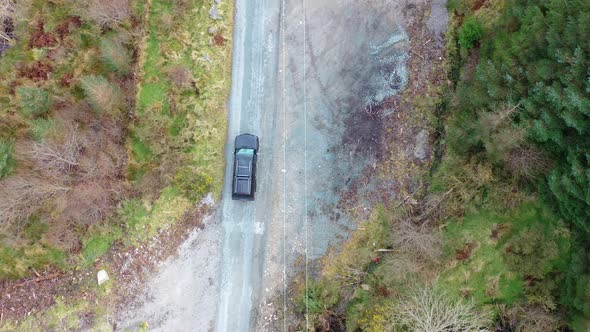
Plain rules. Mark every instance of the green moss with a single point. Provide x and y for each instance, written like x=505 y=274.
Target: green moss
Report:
x=16 y=262
x=141 y=152
x=178 y=123
x=488 y=273
x=132 y=214
x=6 y=160
x=35 y=229
x=98 y=243
x=144 y=219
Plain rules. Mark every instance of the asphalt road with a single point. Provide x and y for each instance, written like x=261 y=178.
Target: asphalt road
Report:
x=303 y=71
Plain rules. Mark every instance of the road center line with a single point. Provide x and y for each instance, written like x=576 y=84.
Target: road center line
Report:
x=283 y=44
x=305 y=162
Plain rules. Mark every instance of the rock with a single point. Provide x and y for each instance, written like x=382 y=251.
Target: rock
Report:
x=207 y=58
x=365 y=287
x=421 y=148
x=208 y=200
x=212 y=30
x=214 y=12
x=102 y=276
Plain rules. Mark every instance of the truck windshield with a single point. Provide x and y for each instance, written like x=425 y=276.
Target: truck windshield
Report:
x=247 y=152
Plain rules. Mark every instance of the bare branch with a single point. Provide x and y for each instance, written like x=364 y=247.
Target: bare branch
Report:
x=57 y=158
x=107 y=13
x=424 y=309
x=7 y=12
x=419 y=240
x=527 y=162
x=529 y=319
x=22 y=195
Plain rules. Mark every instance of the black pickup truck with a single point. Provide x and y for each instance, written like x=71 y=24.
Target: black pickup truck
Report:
x=244 y=179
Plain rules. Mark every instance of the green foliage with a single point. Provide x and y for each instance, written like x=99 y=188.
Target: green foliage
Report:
x=6 y=161
x=575 y=289
x=115 y=56
x=16 y=262
x=98 y=243
x=141 y=152
x=193 y=184
x=505 y=250
x=318 y=300
x=104 y=96
x=537 y=58
x=460 y=6
x=133 y=213
x=33 y=101
x=40 y=128
x=531 y=253
x=470 y=32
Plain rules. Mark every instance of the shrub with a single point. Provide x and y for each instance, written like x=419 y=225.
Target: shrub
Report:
x=115 y=56
x=425 y=309
x=22 y=195
x=470 y=33
x=57 y=158
x=6 y=161
x=317 y=302
x=40 y=128
x=193 y=184
x=33 y=101
x=102 y=94
x=106 y=13
x=531 y=253
x=529 y=319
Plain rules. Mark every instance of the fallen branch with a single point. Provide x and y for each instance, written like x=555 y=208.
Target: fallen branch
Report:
x=40 y=279
x=384 y=250
x=408 y=197
x=418 y=55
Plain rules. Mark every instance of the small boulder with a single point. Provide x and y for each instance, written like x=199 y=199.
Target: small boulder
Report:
x=102 y=276
x=422 y=146
x=214 y=13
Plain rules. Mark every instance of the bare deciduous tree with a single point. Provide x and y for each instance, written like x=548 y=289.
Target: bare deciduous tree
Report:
x=529 y=319
x=87 y=203
x=425 y=309
x=7 y=12
x=527 y=162
x=107 y=13
x=57 y=158
x=421 y=240
x=22 y=195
